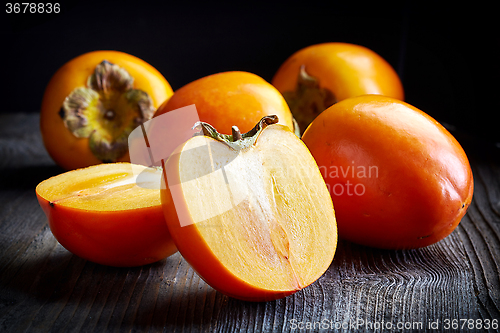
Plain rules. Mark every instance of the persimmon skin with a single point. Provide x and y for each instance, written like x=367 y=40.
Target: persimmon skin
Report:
x=347 y=70
x=231 y=98
x=67 y=150
x=423 y=182
x=121 y=239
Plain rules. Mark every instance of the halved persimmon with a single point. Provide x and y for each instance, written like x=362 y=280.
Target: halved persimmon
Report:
x=250 y=213
x=316 y=77
x=397 y=177
x=110 y=214
x=93 y=102
x=231 y=98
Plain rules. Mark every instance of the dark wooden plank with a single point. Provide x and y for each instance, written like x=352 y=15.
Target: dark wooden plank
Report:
x=480 y=231
x=45 y=288
x=21 y=142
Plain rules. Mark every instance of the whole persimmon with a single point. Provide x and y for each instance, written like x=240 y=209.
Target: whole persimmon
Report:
x=93 y=102
x=250 y=212
x=398 y=179
x=316 y=77
x=231 y=98
x=110 y=214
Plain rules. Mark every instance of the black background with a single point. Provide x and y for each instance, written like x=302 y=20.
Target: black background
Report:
x=446 y=56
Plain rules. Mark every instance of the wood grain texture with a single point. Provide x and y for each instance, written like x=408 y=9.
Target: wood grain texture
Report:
x=21 y=142
x=44 y=288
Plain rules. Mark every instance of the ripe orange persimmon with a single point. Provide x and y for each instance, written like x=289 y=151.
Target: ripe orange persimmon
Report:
x=398 y=179
x=320 y=75
x=110 y=214
x=250 y=213
x=231 y=98
x=93 y=102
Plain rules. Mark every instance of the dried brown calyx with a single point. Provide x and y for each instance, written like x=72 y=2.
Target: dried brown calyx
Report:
x=308 y=100
x=106 y=111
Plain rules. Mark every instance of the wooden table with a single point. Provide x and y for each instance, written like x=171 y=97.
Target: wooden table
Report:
x=43 y=287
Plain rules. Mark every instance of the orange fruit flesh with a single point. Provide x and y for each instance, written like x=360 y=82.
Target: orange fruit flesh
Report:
x=264 y=213
x=109 y=187
x=110 y=214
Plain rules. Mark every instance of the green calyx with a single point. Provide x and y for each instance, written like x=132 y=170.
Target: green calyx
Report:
x=308 y=100
x=237 y=141
x=106 y=111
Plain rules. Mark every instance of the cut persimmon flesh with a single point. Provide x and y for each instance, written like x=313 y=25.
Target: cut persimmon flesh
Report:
x=109 y=213
x=250 y=213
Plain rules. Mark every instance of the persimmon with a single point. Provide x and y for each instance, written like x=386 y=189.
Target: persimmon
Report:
x=110 y=214
x=316 y=77
x=398 y=178
x=250 y=212
x=93 y=102
x=231 y=98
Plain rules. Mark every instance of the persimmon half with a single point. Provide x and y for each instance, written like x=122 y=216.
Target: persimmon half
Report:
x=398 y=179
x=110 y=214
x=231 y=98
x=250 y=212
x=316 y=77
x=93 y=102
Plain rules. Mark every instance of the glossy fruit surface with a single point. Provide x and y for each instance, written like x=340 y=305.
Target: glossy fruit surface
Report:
x=398 y=179
x=110 y=214
x=252 y=215
x=93 y=102
x=231 y=98
x=320 y=75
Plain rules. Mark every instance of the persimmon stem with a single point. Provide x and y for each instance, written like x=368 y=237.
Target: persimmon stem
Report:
x=237 y=141
x=236 y=133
